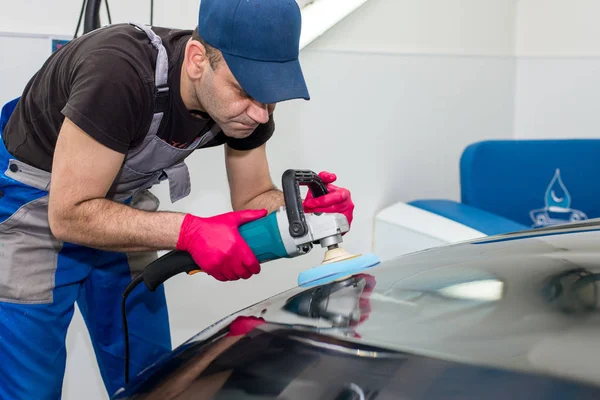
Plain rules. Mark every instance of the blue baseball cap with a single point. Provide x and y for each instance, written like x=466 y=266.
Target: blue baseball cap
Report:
x=260 y=42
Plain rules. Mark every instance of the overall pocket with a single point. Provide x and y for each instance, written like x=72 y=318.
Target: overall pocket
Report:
x=28 y=250
x=14 y=195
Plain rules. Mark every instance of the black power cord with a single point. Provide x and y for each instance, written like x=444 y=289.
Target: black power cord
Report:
x=80 y=18
x=154 y=275
x=132 y=285
x=108 y=12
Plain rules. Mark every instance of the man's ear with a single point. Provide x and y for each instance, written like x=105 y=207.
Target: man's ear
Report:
x=195 y=59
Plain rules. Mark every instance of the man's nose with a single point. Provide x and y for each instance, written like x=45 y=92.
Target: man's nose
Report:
x=259 y=112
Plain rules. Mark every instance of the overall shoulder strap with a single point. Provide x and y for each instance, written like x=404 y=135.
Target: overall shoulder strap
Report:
x=161 y=74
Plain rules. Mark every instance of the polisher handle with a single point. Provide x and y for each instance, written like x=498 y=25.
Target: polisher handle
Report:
x=291 y=181
x=167 y=266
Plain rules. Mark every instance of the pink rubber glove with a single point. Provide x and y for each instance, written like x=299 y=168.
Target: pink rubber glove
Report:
x=216 y=245
x=338 y=200
x=364 y=303
x=244 y=325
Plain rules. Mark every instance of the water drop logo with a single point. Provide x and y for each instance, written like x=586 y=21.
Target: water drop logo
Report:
x=558 y=206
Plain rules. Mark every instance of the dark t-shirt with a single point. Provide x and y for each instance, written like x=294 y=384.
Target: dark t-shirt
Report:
x=104 y=83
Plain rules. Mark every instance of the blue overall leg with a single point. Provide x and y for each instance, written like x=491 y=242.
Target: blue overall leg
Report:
x=37 y=294
x=33 y=330
x=147 y=317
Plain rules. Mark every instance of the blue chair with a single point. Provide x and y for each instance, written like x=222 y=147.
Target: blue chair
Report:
x=509 y=185
x=506 y=186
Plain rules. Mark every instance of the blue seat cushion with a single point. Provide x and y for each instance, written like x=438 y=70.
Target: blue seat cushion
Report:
x=480 y=220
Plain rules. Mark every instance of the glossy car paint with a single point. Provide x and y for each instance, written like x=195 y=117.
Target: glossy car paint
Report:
x=507 y=316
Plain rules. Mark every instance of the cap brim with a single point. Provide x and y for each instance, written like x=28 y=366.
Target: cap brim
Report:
x=269 y=82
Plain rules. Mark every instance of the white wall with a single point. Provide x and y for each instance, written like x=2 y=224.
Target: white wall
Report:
x=557 y=97
x=558 y=78
x=398 y=90
x=558 y=28
x=21 y=68
x=459 y=27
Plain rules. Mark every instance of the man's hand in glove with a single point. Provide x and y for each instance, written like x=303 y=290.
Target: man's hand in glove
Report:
x=338 y=200
x=216 y=245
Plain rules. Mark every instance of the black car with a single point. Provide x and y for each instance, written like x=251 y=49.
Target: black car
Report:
x=512 y=316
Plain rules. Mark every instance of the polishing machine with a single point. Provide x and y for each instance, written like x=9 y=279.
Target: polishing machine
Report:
x=286 y=233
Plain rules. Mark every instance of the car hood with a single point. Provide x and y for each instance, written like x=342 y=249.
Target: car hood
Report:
x=522 y=303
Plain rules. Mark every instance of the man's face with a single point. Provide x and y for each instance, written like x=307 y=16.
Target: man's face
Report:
x=228 y=104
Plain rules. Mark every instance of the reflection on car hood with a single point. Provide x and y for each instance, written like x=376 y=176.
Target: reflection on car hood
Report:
x=522 y=303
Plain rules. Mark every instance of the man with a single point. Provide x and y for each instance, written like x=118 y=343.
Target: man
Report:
x=108 y=116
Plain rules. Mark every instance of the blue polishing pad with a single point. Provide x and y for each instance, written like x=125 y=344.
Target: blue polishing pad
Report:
x=329 y=272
